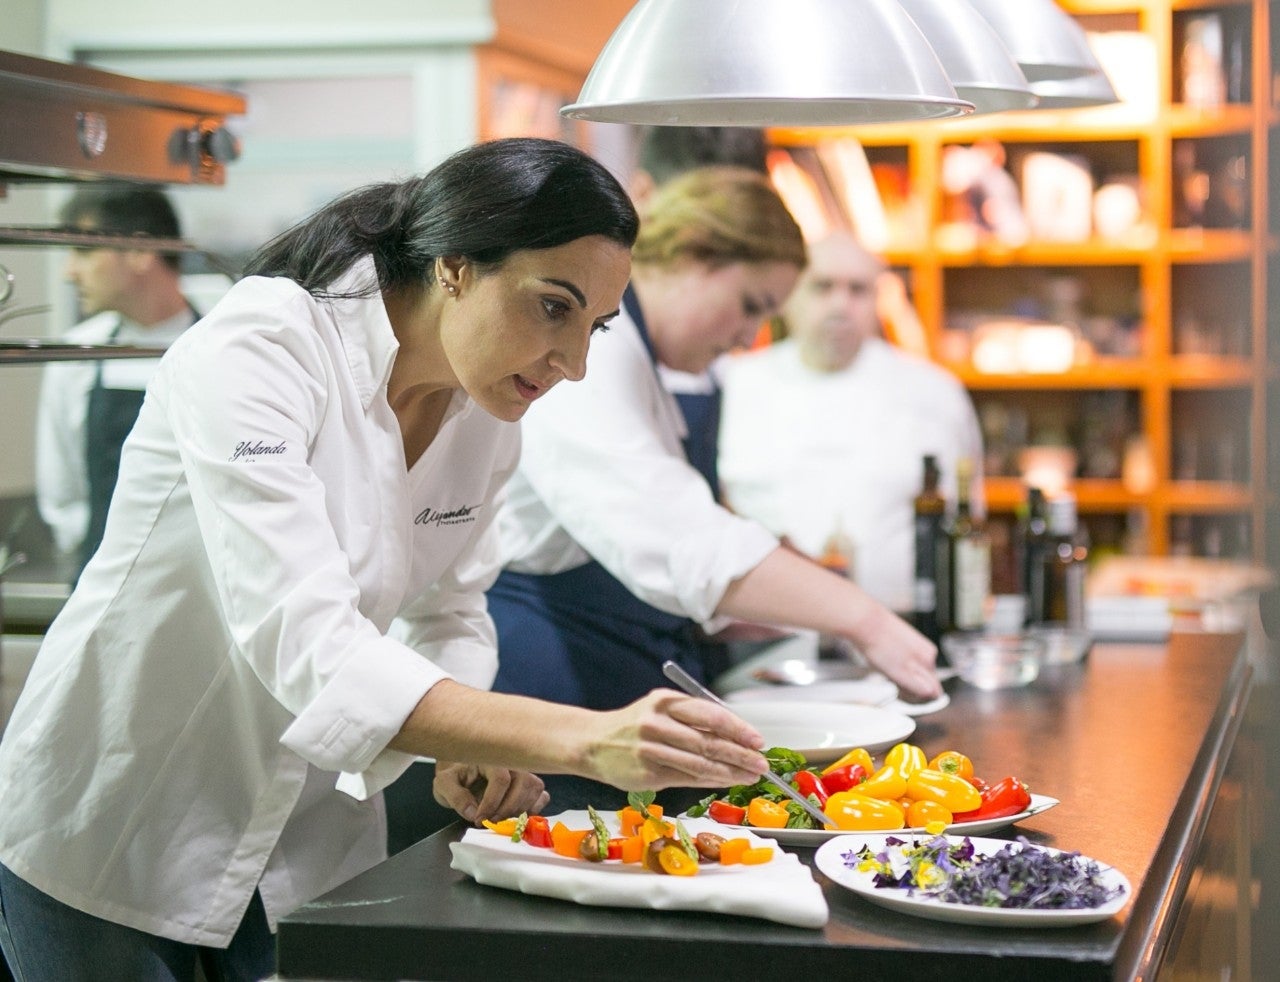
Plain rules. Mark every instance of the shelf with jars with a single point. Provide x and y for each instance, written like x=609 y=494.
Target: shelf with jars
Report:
x=1098 y=277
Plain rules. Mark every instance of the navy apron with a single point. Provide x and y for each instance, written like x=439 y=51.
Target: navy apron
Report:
x=581 y=637
x=110 y=416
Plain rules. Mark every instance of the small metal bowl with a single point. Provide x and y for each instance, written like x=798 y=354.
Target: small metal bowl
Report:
x=995 y=661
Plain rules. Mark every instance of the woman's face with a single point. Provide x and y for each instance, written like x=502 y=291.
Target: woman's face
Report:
x=696 y=313
x=511 y=334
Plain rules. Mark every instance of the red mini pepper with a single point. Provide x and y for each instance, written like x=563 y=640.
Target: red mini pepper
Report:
x=808 y=783
x=726 y=813
x=844 y=778
x=537 y=831
x=1004 y=798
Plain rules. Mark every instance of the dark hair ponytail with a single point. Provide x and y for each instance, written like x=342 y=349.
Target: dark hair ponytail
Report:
x=482 y=204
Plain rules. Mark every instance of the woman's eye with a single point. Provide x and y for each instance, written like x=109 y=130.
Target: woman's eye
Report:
x=752 y=309
x=554 y=308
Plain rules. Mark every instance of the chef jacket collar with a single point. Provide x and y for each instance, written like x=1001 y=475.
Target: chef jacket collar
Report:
x=364 y=329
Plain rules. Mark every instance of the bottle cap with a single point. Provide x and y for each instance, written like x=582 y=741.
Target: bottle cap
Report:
x=1062 y=514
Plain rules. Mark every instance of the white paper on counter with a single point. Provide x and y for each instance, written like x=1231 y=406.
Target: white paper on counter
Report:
x=781 y=890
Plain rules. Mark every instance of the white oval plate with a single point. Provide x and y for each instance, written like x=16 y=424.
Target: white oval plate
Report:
x=874 y=690
x=824 y=732
x=830 y=860
x=813 y=838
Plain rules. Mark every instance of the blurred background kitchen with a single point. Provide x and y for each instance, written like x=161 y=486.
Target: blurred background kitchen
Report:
x=1099 y=278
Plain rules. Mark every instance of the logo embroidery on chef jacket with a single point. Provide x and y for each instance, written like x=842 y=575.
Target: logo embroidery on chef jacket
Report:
x=253 y=449
x=462 y=515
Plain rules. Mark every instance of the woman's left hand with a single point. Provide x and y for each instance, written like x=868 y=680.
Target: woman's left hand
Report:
x=478 y=792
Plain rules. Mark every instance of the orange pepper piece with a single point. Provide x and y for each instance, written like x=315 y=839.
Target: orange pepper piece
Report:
x=566 y=841
x=632 y=849
x=757 y=855
x=506 y=827
x=630 y=820
x=732 y=850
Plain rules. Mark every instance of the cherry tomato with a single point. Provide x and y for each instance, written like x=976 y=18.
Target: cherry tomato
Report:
x=953 y=762
x=854 y=812
x=766 y=814
x=844 y=778
x=808 y=783
x=725 y=813
x=675 y=861
x=949 y=790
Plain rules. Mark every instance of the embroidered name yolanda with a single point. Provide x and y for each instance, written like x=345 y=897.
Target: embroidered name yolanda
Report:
x=256 y=448
x=458 y=516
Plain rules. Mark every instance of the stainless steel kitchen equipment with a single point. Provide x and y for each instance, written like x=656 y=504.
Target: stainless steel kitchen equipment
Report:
x=64 y=123
x=69 y=122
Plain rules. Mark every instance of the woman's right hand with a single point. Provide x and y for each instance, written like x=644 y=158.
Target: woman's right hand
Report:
x=667 y=739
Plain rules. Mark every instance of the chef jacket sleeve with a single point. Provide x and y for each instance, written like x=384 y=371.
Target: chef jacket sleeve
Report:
x=604 y=456
x=448 y=623
x=284 y=582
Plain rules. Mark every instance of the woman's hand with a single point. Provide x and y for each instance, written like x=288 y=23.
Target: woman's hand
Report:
x=901 y=652
x=667 y=739
x=787 y=588
x=486 y=792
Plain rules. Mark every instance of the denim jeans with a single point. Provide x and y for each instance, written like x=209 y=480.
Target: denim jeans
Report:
x=47 y=941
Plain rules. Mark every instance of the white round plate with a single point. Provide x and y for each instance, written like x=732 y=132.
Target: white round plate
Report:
x=830 y=860
x=917 y=708
x=812 y=838
x=824 y=732
x=873 y=690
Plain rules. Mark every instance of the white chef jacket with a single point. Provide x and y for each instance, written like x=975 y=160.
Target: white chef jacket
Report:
x=62 y=479
x=805 y=452
x=226 y=652
x=603 y=475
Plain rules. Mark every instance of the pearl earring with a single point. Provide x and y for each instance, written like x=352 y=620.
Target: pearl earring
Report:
x=449 y=287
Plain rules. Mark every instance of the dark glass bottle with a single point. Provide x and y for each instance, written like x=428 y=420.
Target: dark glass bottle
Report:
x=930 y=512
x=1064 y=565
x=964 y=565
x=1033 y=545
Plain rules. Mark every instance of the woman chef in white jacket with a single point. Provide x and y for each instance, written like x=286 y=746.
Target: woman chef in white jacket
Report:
x=315 y=458
x=616 y=547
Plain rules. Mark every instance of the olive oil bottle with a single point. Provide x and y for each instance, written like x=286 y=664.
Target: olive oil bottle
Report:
x=930 y=512
x=964 y=562
x=1064 y=562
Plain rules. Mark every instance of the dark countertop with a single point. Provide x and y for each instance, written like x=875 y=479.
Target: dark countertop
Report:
x=1134 y=742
